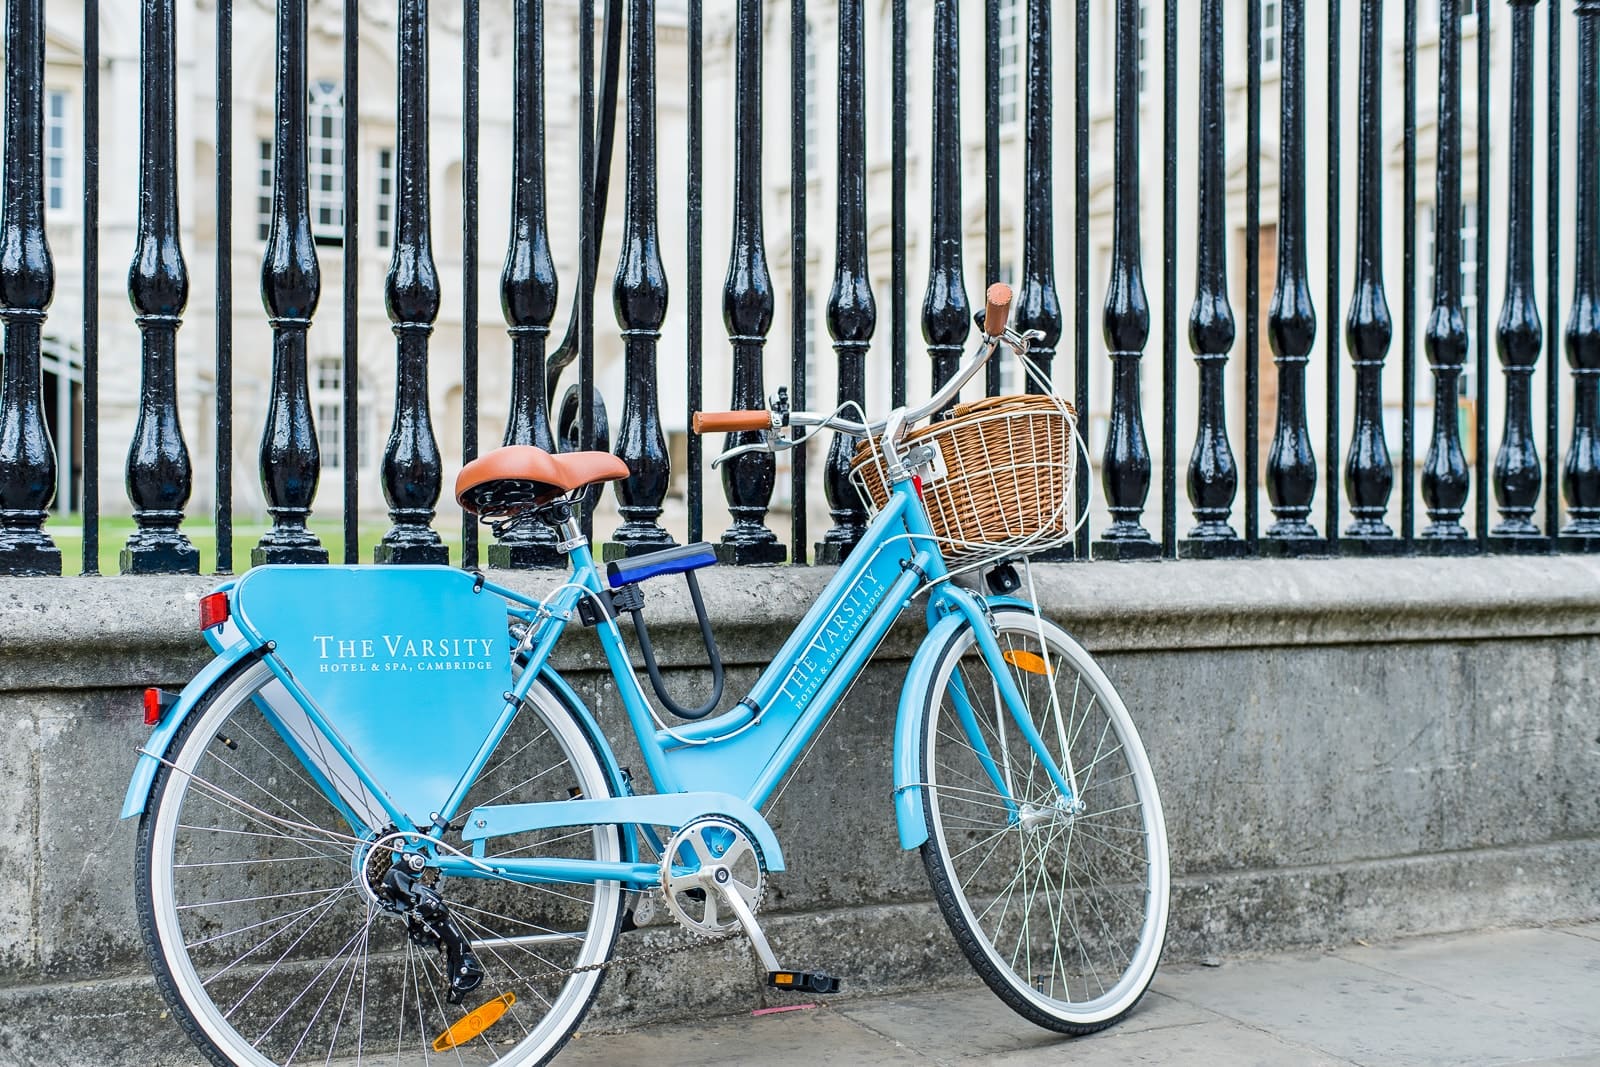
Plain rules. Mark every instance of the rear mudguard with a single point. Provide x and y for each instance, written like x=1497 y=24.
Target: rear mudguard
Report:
x=155 y=749
x=947 y=613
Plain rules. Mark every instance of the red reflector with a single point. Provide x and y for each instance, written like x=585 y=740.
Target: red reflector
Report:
x=213 y=610
x=152 y=706
x=916 y=483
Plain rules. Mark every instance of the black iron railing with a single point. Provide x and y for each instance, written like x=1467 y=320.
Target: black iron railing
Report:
x=1545 y=494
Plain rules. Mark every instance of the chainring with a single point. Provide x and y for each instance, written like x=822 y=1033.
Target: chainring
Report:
x=706 y=853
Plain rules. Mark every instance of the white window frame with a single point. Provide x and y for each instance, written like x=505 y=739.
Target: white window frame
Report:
x=56 y=162
x=1012 y=65
x=383 y=228
x=1271 y=32
x=325 y=161
x=264 y=178
x=813 y=150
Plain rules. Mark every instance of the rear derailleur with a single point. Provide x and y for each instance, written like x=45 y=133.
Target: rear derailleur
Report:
x=404 y=892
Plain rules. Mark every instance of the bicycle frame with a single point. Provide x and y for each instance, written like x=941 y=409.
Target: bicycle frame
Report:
x=731 y=764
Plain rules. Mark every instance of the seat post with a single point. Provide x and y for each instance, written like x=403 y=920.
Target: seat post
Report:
x=571 y=534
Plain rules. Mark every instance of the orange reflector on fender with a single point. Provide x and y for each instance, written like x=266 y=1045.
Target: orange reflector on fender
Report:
x=213 y=610
x=1026 y=661
x=474 y=1022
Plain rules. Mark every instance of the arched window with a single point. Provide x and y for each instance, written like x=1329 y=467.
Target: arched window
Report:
x=325 y=145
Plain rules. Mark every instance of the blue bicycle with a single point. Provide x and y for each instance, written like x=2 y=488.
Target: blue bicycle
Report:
x=380 y=826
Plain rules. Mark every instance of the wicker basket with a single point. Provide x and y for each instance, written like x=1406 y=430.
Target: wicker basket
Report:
x=1002 y=483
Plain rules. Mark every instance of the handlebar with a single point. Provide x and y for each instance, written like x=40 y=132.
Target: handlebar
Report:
x=997 y=309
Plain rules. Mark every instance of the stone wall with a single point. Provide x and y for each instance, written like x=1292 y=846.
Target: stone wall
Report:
x=1346 y=749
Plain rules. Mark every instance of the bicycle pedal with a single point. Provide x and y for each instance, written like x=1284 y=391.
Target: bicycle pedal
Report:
x=803 y=981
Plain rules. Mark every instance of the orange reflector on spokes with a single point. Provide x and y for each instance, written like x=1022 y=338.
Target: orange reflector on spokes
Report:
x=1024 y=660
x=474 y=1022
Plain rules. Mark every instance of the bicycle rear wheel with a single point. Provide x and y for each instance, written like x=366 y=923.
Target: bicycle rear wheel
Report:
x=1061 y=907
x=256 y=903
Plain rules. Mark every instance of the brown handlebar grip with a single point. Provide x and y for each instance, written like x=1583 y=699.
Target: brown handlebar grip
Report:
x=996 y=309
x=730 y=421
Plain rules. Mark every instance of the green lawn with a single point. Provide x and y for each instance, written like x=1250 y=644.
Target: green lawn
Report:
x=67 y=532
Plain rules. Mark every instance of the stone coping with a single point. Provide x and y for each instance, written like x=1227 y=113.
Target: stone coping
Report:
x=95 y=623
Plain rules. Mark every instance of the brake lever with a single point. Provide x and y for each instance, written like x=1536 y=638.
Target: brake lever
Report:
x=764 y=446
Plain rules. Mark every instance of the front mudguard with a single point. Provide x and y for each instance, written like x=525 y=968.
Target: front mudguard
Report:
x=949 y=610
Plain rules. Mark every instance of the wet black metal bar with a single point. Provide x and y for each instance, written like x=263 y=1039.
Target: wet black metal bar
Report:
x=412 y=470
x=1213 y=475
x=640 y=295
x=1080 y=250
x=470 y=110
x=291 y=283
x=852 y=312
x=1038 y=303
x=1553 y=470
x=349 y=363
x=528 y=284
x=1480 y=407
x=590 y=220
x=696 y=266
x=1368 y=470
x=799 y=307
x=159 y=474
x=1408 y=283
x=224 y=263
x=1517 y=474
x=1252 y=278
x=1445 y=478
x=1125 y=470
x=91 y=287
x=1331 y=259
x=1292 y=320
x=945 y=309
x=897 y=206
x=1169 y=285
x=991 y=165
x=27 y=283
x=1581 y=476
x=747 y=307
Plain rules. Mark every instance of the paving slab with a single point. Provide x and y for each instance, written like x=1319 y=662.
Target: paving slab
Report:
x=1549 y=974
x=1368 y=1016
x=1514 y=997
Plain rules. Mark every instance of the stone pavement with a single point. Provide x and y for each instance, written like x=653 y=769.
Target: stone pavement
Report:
x=1492 y=997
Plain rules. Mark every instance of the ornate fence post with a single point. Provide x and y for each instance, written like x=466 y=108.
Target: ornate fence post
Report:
x=640 y=295
x=946 y=314
x=159 y=475
x=1291 y=319
x=412 y=470
x=528 y=281
x=1445 y=479
x=27 y=282
x=1581 y=475
x=1213 y=474
x=1517 y=474
x=852 y=312
x=290 y=286
x=1368 y=471
x=1126 y=469
x=747 y=307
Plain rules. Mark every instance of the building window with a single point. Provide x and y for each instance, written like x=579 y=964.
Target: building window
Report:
x=55 y=150
x=1010 y=61
x=1144 y=45
x=264 y=191
x=1464 y=9
x=812 y=148
x=1271 y=31
x=384 y=231
x=327 y=398
x=326 y=159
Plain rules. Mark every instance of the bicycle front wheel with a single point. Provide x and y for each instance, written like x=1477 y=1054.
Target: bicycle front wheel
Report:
x=259 y=900
x=1060 y=903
